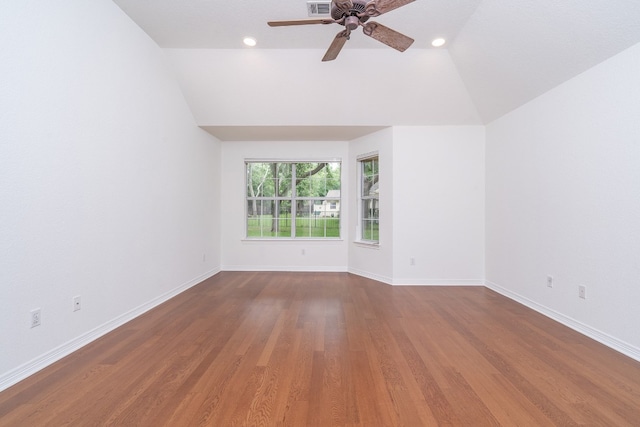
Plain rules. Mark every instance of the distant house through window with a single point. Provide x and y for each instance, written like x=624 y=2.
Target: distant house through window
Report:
x=287 y=199
x=330 y=207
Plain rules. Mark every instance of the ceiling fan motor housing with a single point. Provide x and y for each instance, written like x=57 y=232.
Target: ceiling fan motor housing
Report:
x=359 y=6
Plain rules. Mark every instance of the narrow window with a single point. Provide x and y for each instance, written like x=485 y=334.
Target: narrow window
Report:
x=369 y=204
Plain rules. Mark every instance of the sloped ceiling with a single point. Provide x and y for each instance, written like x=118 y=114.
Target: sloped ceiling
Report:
x=499 y=55
x=284 y=87
x=510 y=52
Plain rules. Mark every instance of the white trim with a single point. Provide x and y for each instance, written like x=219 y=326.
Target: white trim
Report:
x=366 y=156
x=294 y=268
x=291 y=239
x=23 y=371
x=293 y=198
x=603 y=338
x=292 y=160
x=367 y=244
x=438 y=282
x=360 y=198
x=372 y=276
x=18 y=374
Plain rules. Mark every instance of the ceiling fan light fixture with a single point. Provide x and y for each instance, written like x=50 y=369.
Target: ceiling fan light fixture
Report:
x=439 y=42
x=249 y=41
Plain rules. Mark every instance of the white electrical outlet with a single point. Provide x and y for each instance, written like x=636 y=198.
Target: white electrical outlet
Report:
x=302 y=252
x=549 y=281
x=582 y=291
x=412 y=261
x=36 y=317
x=76 y=303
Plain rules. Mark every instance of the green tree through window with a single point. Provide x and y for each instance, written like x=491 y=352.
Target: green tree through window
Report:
x=293 y=199
x=369 y=200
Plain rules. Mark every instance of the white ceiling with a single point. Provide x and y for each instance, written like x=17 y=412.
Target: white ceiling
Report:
x=217 y=24
x=507 y=52
x=290 y=133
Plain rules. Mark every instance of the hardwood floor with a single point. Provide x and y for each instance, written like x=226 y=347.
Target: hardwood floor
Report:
x=322 y=349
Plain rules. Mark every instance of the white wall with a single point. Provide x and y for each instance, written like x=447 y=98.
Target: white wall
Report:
x=276 y=87
x=108 y=189
x=239 y=253
x=431 y=206
x=375 y=262
x=563 y=186
x=438 y=205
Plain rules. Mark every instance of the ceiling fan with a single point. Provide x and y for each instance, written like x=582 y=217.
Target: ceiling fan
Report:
x=354 y=13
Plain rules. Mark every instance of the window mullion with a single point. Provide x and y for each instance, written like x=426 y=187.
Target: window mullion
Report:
x=273 y=198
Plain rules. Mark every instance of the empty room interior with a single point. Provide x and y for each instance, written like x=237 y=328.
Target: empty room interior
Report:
x=430 y=220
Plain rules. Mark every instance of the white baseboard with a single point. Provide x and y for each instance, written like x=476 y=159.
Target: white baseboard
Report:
x=296 y=268
x=603 y=338
x=438 y=282
x=372 y=276
x=18 y=374
x=21 y=372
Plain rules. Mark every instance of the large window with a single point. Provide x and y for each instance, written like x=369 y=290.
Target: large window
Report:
x=369 y=204
x=293 y=199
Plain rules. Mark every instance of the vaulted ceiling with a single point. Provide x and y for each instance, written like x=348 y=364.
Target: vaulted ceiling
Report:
x=503 y=53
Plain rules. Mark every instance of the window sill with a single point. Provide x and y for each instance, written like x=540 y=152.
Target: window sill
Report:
x=292 y=239
x=368 y=245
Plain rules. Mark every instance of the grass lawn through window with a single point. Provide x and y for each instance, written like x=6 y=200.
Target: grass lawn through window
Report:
x=263 y=226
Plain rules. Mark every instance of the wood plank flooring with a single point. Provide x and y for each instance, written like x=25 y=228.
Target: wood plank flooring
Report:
x=332 y=349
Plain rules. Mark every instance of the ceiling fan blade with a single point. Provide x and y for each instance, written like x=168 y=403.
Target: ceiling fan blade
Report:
x=387 y=36
x=378 y=7
x=301 y=22
x=336 y=46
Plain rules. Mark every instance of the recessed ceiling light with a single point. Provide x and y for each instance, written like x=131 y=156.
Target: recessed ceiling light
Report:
x=438 y=42
x=249 y=41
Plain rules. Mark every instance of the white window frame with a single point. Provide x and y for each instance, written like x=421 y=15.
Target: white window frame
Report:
x=293 y=198
x=364 y=200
